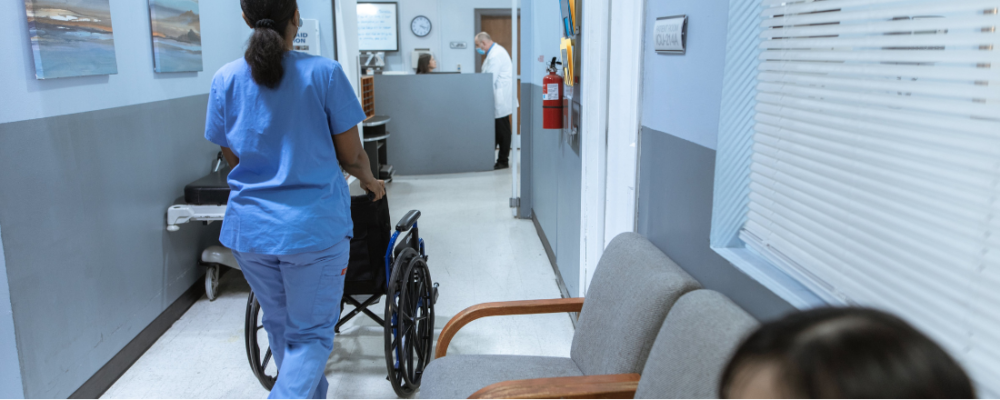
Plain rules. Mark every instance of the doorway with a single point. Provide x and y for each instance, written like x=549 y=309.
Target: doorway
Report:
x=497 y=22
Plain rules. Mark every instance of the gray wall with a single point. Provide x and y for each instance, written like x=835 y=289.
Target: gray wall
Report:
x=675 y=213
x=550 y=159
x=555 y=171
x=441 y=123
x=682 y=97
x=89 y=261
x=10 y=367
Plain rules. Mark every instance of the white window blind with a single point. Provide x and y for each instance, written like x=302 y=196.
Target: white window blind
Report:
x=876 y=162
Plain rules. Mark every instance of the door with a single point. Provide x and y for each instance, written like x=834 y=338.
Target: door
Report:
x=499 y=28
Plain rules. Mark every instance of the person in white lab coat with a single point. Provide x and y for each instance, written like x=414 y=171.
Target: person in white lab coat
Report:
x=498 y=63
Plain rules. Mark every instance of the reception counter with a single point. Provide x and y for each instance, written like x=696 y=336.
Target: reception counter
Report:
x=440 y=123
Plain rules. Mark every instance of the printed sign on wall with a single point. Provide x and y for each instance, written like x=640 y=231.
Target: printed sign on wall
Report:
x=670 y=34
x=307 y=40
x=378 y=27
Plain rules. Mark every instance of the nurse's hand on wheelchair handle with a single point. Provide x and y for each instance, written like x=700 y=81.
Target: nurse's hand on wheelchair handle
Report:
x=375 y=189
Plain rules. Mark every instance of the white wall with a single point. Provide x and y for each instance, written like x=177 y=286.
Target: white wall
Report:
x=451 y=21
x=224 y=36
x=347 y=38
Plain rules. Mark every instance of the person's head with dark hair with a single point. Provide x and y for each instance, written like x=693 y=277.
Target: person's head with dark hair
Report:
x=274 y=24
x=426 y=63
x=842 y=353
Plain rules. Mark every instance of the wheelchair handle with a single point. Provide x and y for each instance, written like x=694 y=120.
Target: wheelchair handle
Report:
x=408 y=221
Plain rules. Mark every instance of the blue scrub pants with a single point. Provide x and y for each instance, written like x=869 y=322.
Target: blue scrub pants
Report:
x=300 y=296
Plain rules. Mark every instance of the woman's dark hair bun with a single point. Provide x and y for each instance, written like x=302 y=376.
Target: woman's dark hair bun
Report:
x=265 y=23
x=266 y=47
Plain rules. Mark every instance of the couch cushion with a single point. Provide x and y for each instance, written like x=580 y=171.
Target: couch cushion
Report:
x=700 y=334
x=459 y=376
x=634 y=286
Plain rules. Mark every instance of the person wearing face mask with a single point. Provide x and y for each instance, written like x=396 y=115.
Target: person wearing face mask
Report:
x=499 y=64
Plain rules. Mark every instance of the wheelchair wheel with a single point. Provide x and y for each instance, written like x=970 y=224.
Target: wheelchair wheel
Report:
x=255 y=335
x=409 y=322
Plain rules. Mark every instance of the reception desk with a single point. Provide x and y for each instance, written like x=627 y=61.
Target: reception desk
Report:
x=440 y=123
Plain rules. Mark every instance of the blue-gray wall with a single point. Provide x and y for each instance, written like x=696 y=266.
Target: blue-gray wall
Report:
x=553 y=165
x=682 y=97
x=89 y=261
x=87 y=169
x=10 y=368
x=451 y=21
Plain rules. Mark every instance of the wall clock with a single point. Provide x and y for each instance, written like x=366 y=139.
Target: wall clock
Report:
x=421 y=26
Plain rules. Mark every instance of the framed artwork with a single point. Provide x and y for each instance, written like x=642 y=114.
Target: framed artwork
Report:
x=71 y=38
x=176 y=30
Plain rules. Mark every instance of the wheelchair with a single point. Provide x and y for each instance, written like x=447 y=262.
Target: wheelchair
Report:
x=408 y=317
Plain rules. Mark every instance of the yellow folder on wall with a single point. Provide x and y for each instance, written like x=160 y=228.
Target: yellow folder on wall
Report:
x=572 y=13
x=567 y=54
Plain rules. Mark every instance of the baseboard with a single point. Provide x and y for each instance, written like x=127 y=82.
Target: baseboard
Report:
x=552 y=261
x=102 y=380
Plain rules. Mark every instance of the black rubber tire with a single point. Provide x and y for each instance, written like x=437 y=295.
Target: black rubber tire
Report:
x=416 y=311
x=392 y=325
x=258 y=360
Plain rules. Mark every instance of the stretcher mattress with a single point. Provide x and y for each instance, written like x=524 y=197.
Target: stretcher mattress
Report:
x=210 y=190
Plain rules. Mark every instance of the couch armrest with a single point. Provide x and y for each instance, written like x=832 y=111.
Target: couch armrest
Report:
x=503 y=308
x=621 y=386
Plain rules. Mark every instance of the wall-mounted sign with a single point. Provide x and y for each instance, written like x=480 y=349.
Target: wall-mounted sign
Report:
x=670 y=34
x=458 y=45
x=378 y=27
x=307 y=40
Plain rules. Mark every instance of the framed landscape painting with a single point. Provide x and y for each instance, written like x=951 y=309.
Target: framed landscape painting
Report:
x=176 y=27
x=71 y=38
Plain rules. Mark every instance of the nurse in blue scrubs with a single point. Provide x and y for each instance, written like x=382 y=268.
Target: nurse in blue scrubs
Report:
x=287 y=123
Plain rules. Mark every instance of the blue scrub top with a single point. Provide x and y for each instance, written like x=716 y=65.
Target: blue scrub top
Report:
x=288 y=194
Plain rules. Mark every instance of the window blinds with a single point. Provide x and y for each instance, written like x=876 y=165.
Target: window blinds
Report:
x=876 y=161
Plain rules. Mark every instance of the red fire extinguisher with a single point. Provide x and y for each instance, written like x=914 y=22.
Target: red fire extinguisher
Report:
x=552 y=98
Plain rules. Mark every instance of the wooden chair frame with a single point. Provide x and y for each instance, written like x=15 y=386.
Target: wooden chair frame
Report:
x=621 y=386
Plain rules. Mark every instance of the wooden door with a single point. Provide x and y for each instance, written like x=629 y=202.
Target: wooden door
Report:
x=499 y=28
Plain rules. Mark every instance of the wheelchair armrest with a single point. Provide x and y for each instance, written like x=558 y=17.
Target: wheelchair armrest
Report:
x=526 y=307
x=408 y=220
x=621 y=386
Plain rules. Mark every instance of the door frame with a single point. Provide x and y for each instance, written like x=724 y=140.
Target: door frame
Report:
x=490 y=12
x=610 y=138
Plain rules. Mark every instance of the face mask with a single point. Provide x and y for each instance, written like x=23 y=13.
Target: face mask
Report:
x=480 y=51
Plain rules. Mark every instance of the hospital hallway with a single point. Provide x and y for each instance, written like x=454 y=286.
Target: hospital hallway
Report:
x=477 y=252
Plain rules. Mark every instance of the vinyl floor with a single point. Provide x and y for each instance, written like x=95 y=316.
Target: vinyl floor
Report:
x=477 y=252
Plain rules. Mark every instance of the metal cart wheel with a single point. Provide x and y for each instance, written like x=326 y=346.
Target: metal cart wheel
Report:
x=255 y=335
x=409 y=322
x=212 y=281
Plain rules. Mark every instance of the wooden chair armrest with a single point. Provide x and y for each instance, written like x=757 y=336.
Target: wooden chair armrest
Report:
x=575 y=387
x=478 y=311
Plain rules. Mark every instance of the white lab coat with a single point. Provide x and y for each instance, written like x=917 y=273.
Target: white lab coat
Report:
x=498 y=63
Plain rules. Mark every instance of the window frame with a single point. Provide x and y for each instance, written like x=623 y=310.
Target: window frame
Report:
x=731 y=198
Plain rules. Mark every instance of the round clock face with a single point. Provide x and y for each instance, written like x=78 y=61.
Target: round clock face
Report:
x=421 y=26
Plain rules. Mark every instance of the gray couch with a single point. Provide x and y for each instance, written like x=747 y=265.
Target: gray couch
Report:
x=693 y=346
x=633 y=288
